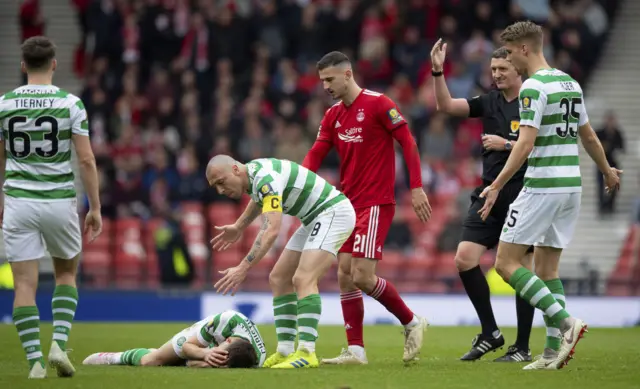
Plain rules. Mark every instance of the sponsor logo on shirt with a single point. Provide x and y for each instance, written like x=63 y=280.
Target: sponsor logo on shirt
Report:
x=352 y=135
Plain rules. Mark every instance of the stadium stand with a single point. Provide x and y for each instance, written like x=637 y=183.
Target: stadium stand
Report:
x=168 y=83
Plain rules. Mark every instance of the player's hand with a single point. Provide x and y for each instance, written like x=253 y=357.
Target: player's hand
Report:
x=489 y=194
x=93 y=224
x=493 y=142
x=233 y=277
x=216 y=357
x=438 y=54
x=229 y=235
x=421 y=204
x=612 y=180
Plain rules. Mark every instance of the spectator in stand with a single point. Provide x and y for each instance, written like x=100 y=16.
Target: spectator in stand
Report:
x=32 y=23
x=612 y=140
x=190 y=79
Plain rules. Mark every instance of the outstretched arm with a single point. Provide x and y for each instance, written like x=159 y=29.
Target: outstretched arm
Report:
x=271 y=221
x=248 y=216
x=455 y=107
x=264 y=241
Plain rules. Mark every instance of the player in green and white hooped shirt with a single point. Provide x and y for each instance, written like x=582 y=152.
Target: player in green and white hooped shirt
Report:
x=552 y=117
x=39 y=123
x=228 y=339
x=279 y=186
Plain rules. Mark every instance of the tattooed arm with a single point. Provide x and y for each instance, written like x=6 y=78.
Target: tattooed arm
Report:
x=249 y=215
x=266 y=238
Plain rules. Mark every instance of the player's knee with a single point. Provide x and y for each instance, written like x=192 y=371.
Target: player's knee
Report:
x=65 y=271
x=527 y=261
x=546 y=273
x=151 y=359
x=303 y=280
x=24 y=293
x=344 y=275
x=465 y=260
x=364 y=278
x=276 y=279
x=503 y=266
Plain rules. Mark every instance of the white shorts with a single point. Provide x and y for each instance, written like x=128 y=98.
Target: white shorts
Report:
x=328 y=231
x=30 y=227
x=178 y=339
x=542 y=219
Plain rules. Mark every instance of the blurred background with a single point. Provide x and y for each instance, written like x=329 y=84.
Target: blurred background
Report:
x=169 y=83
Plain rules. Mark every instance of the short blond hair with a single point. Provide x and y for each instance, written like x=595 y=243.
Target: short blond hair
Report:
x=523 y=31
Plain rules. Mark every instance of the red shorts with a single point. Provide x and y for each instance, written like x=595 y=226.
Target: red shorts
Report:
x=370 y=232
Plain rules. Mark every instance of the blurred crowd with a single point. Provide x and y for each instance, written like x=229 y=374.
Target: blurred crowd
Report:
x=169 y=83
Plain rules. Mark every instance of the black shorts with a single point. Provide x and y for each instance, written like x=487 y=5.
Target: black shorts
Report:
x=487 y=233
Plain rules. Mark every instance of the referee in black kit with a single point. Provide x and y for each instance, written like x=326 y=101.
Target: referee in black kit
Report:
x=501 y=119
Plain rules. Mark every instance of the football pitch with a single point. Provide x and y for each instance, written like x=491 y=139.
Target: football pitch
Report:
x=606 y=358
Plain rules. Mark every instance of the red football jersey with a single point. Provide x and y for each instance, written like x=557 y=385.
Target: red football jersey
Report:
x=362 y=135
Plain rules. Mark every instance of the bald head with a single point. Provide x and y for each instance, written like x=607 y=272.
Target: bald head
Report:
x=221 y=162
x=227 y=175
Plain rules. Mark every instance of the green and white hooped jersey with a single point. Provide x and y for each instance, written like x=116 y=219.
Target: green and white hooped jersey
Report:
x=553 y=102
x=285 y=186
x=218 y=328
x=36 y=122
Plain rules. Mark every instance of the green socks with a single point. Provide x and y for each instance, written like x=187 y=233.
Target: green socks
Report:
x=533 y=290
x=553 y=331
x=63 y=306
x=309 y=311
x=285 y=311
x=27 y=322
x=134 y=356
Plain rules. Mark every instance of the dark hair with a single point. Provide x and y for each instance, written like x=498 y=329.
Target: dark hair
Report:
x=38 y=52
x=333 y=58
x=241 y=355
x=500 y=53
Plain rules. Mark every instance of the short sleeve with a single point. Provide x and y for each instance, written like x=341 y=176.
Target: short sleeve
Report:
x=269 y=190
x=532 y=103
x=584 y=117
x=325 y=129
x=389 y=114
x=477 y=106
x=79 y=119
x=205 y=335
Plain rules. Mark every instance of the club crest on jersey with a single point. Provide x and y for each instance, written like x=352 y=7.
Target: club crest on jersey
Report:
x=360 y=115
x=526 y=102
x=515 y=125
x=394 y=116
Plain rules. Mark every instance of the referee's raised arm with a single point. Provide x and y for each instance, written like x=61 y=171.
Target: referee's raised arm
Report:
x=445 y=103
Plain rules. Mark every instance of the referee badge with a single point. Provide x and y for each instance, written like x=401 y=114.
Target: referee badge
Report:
x=515 y=125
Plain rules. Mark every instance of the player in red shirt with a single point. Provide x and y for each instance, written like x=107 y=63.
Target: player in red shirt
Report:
x=362 y=127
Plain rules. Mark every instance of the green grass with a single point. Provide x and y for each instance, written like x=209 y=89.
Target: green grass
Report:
x=606 y=358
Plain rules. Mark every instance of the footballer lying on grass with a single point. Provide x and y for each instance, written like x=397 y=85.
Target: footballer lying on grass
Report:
x=228 y=339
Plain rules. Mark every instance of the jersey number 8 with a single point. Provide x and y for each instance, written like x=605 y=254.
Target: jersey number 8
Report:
x=26 y=138
x=569 y=112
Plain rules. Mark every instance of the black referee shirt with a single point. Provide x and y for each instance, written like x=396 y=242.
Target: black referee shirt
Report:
x=502 y=118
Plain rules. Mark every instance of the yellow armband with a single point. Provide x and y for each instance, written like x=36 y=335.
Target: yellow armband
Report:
x=272 y=203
